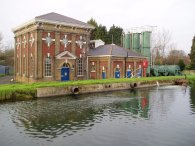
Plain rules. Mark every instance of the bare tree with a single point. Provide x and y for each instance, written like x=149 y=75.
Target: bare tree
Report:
x=174 y=56
x=161 y=40
x=160 y=44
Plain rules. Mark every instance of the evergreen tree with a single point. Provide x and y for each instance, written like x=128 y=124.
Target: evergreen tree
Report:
x=181 y=64
x=100 y=32
x=114 y=35
x=192 y=54
x=93 y=32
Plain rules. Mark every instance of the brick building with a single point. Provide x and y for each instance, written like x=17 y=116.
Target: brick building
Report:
x=53 y=47
x=112 y=61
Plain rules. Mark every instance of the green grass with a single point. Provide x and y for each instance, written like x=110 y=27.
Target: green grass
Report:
x=10 y=88
x=191 y=79
x=2 y=75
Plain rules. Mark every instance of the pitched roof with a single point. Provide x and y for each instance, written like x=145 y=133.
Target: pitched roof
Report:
x=54 y=17
x=57 y=19
x=113 y=50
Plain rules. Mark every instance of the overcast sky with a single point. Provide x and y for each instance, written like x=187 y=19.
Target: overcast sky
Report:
x=177 y=16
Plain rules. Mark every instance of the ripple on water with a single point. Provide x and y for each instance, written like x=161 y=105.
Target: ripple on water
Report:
x=148 y=117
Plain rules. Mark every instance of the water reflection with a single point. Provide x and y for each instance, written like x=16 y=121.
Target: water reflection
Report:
x=158 y=116
x=192 y=98
x=66 y=116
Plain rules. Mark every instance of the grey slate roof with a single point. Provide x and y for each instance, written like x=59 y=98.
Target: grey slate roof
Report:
x=113 y=50
x=54 y=17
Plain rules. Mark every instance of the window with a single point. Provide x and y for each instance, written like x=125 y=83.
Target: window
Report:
x=80 y=67
x=31 y=66
x=24 y=65
x=93 y=68
x=17 y=65
x=48 y=67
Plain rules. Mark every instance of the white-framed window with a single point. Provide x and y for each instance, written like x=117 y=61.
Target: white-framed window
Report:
x=47 y=67
x=80 y=67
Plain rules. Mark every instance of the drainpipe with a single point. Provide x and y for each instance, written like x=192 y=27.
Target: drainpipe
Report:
x=87 y=68
x=125 y=65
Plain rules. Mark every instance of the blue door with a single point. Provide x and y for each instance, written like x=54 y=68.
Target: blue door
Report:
x=117 y=74
x=103 y=75
x=129 y=74
x=65 y=74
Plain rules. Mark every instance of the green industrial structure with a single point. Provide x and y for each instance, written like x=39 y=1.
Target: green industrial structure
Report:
x=141 y=43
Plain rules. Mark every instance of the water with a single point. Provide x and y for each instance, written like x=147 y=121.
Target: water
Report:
x=163 y=116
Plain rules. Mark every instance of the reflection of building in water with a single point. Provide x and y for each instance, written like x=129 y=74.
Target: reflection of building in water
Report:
x=51 y=118
x=138 y=105
x=43 y=121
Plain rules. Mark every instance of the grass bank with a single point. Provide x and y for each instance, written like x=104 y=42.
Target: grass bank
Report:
x=21 y=91
x=2 y=75
x=191 y=79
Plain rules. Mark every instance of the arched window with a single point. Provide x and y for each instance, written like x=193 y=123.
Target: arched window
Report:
x=47 y=66
x=66 y=65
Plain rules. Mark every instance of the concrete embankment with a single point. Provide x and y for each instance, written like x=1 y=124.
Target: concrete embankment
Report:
x=60 y=91
x=82 y=89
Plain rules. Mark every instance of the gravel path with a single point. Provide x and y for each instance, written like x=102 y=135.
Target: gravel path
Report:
x=6 y=80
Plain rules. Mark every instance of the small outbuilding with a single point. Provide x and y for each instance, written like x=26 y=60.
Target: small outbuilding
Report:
x=112 y=61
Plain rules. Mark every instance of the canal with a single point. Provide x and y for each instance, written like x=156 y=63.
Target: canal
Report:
x=160 y=116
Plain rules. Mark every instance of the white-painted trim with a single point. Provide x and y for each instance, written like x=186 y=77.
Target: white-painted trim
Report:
x=32 y=21
x=116 y=56
x=63 y=23
x=59 y=56
x=37 y=20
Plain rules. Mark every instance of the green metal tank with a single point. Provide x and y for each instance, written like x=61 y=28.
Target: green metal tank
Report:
x=174 y=70
x=163 y=70
x=146 y=39
x=145 y=47
x=127 y=41
x=136 y=42
x=166 y=70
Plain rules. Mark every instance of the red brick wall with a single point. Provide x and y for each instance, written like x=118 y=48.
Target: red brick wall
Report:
x=23 y=52
x=78 y=49
x=45 y=48
x=31 y=60
x=101 y=64
x=120 y=63
x=93 y=74
x=130 y=63
x=68 y=47
x=17 y=51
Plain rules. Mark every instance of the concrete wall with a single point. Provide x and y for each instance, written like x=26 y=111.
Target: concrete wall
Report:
x=60 y=91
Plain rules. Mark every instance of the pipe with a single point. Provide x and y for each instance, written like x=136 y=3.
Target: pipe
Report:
x=74 y=90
